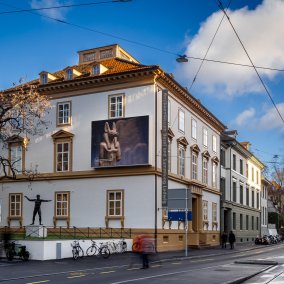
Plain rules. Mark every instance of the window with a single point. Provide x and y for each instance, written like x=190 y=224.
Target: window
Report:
x=181 y=120
x=193 y=129
x=115 y=203
x=222 y=156
x=43 y=78
x=214 y=174
x=234 y=221
x=169 y=112
x=181 y=160
x=214 y=212
x=247 y=222
x=116 y=106
x=89 y=56
x=257 y=221
x=247 y=196
x=62 y=202
x=241 y=221
x=256 y=177
x=241 y=167
x=223 y=187
x=194 y=166
x=214 y=143
x=205 y=137
x=15 y=205
x=106 y=53
x=64 y=113
x=69 y=74
x=205 y=170
x=16 y=157
x=252 y=174
x=241 y=194
x=234 y=191
x=252 y=222
x=247 y=169
x=96 y=69
x=205 y=210
x=234 y=162
x=257 y=200
x=252 y=198
x=62 y=156
x=169 y=154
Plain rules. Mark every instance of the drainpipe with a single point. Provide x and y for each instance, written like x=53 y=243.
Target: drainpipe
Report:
x=156 y=178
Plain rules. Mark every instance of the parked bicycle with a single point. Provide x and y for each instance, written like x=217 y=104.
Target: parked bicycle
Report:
x=117 y=247
x=101 y=250
x=12 y=249
x=77 y=250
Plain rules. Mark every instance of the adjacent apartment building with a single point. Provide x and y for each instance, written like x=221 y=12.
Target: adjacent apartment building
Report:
x=100 y=159
x=241 y=188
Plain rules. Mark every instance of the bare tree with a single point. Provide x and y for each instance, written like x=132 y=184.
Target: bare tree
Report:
x=22 y=115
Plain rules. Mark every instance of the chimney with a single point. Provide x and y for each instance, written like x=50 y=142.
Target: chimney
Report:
x=246 y=145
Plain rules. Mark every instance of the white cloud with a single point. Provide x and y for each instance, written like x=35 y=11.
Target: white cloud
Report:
x=261 y=31
x=244 y=117
x=53 y=13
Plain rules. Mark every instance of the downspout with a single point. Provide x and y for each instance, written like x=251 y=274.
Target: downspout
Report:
x=156 y=178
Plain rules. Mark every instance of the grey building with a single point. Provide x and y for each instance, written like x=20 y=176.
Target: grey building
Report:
x=240 y=199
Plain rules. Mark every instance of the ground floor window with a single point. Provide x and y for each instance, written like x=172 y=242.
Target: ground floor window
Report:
x=62 y=204
x=15 y=204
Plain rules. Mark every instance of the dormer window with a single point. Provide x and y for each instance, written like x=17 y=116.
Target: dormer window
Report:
x=69 y=74
x=43 y=79
x=96 y=69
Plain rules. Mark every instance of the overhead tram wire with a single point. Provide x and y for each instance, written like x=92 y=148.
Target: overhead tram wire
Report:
x=62 y=6
x=201 y=64
x=264 y=86
x=143 y=44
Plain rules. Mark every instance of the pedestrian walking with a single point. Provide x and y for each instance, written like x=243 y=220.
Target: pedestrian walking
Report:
x=224 y=239
x=232 y=239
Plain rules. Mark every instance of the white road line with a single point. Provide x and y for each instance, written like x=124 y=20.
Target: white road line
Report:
x=270 y=269
x=43 y=281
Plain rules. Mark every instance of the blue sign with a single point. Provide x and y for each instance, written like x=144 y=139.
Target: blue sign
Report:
x=179 y=216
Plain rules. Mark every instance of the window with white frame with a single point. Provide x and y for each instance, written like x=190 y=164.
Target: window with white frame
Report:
x=181 y=160
x=205 y=137
x=115 y=202
x=169 y=112
x=205 y=210
x=62 y=204
x=15 y=205
x=169 y=154
x=16 y=157
x=194 y=166
x=96 y=69
x=193 y=129
x=214 y=212
x=181 y=117
x=214 y=144
x=62 y=156
x=205 y=170
x=214 y=174
x=64 y=113
x=69 y=74
x=116 y=107
x=43 y=78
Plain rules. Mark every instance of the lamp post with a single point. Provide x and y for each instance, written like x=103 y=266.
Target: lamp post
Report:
x=182 y=59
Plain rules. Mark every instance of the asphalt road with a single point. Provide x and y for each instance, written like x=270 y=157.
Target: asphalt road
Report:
x=208 y=269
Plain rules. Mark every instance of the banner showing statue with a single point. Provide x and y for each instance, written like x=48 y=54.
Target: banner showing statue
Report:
x=120 y=142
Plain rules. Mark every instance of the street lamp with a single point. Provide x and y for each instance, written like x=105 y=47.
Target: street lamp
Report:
x=182 y=59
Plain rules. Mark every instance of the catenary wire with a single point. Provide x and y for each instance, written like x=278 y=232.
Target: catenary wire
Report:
x=146 y=45
x=201 y=64
x=236 y=33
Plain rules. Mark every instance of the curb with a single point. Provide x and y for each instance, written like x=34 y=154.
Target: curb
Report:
x=243 y=279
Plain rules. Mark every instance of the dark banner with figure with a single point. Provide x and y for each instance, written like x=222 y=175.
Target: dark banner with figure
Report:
x=120 y=142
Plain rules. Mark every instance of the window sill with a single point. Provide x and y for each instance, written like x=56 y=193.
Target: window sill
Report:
x=14 y=218
x=61 y=218
x=108 y=218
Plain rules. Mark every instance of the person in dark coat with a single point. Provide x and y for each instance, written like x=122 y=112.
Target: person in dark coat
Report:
x=224 y=239
x=232 y=239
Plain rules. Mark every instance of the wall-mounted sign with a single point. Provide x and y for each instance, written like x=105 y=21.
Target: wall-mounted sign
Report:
x=120 y=142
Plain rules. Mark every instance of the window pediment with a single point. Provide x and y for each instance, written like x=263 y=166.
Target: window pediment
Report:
x=61 y=134
x=170 y=134
x=195 y=148
x=15 y=139
x=215 y=159
x=182 y=141
x=206 y=154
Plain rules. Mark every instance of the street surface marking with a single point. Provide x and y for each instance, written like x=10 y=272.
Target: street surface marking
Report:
x=176 y=263
x=76 y=276
x=201 y=260
x=43 y=281
x=105 y=272
x=270 y=269
x=267 y=276
x=135 y=268
x=157 y=265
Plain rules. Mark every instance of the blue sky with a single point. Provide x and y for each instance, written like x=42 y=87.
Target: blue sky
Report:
x=30 y=44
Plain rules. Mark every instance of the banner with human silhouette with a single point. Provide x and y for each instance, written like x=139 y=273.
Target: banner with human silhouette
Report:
x=120 y=142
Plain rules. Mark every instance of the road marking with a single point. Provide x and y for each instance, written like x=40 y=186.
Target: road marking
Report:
x=135 y=268
x=76 y=276
x=176 y=263
x=157 y=265
x=43 y=281
x=106 y=272
x=270 y=269
x=201 y=260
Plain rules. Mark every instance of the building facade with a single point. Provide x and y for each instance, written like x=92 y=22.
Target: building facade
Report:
x=266 y=184
x=241 y=187
x=100 y=159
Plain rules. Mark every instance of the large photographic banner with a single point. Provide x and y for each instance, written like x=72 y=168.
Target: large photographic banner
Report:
x=120 y=142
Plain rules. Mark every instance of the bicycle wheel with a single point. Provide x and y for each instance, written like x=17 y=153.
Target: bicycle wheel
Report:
x=92 y=250
x=9 y=254
x=123 y=247
x=80 y=252
x=26 y=256
x=104 y=252
x=75 y=253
